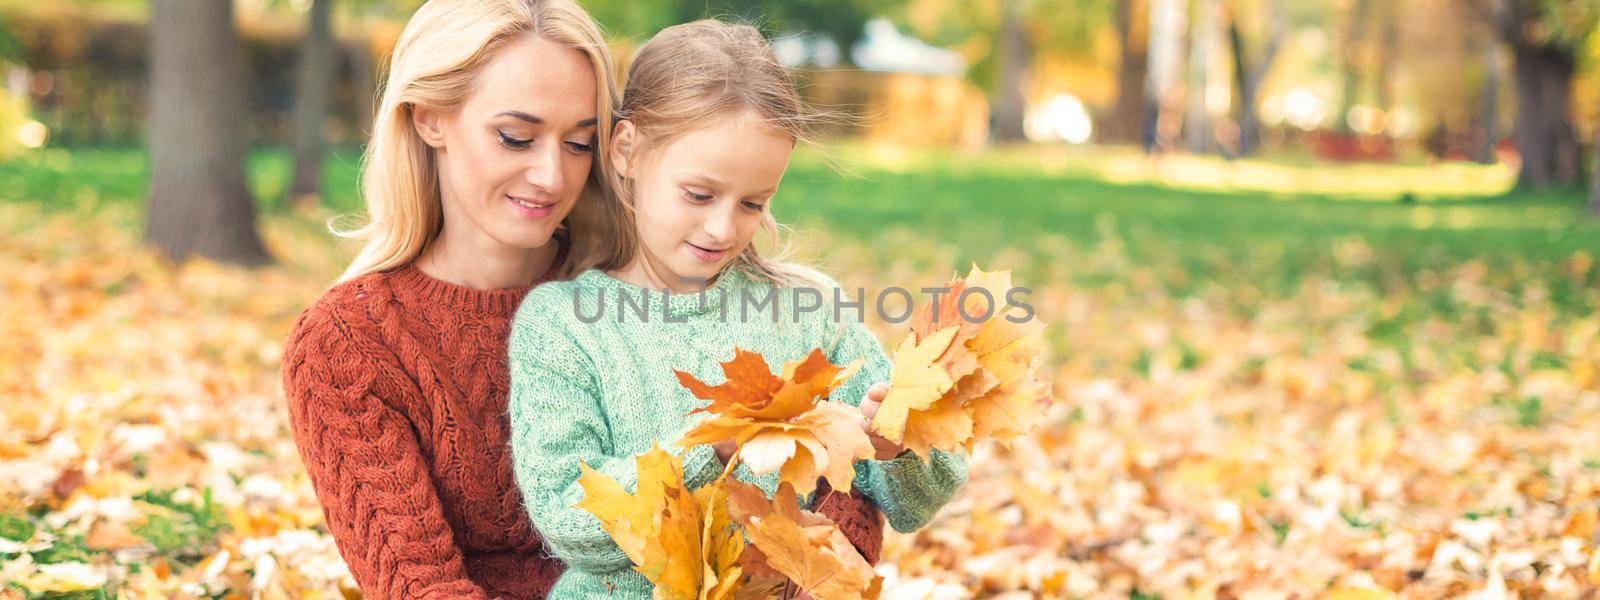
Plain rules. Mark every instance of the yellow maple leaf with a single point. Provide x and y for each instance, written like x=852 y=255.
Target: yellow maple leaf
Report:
x=956 y=380
x=916 y=382
x=679 y=540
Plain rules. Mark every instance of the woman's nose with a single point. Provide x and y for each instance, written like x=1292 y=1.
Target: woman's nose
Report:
x=544 y=167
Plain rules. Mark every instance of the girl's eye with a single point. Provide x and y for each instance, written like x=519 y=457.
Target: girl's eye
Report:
x=754 y=206
x=511 y=143
x=696 y=198
x=580 y=147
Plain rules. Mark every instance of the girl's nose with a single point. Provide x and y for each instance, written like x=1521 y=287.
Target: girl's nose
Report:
x=720 y=224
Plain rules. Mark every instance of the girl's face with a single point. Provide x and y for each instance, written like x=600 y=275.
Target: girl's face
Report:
x=700 y=200
x=513 y=158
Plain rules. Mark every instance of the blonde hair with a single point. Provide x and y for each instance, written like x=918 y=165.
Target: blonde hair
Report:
x=685 y=78
x=435 y=62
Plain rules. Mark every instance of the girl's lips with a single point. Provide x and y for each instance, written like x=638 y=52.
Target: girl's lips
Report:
x=531 y=209
x=706 y=255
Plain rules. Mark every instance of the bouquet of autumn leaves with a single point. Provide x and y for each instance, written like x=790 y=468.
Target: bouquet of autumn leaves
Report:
x=954 y=380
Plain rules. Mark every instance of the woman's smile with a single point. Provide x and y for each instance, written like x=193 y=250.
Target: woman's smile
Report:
x=529 y=207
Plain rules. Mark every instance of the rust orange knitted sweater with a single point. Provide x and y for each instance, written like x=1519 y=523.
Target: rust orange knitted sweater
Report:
x=396 y=385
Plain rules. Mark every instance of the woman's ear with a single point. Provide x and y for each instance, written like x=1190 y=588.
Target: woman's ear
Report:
x=623 y=141
x=426 y=121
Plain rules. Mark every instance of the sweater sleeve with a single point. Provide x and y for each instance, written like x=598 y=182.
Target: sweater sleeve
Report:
x=366 y=466
x=557 y=422
x=855 y=515
x=909 y=490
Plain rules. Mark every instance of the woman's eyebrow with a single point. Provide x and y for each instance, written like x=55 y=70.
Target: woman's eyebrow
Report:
x=536 y=120
x=517 y=114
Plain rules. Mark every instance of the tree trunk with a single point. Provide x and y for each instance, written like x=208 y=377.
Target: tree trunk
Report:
x=1247 y=77
x=199 y=204
x=1169 y=19
x=1016 y=56
x=1486 y=126
x=1594 y=177
x=1351 y=64
x=1197 y=122
x=1244 y=113
x=1544 y=132
x=1388 y=54
x=313 y=87
x=1132 y=30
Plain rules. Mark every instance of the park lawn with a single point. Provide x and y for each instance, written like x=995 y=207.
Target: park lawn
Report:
x=1247 y=225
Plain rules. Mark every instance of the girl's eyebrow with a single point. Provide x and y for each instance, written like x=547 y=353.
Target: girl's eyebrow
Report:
x=536 y=120
x=706 y=179
x=717 y=183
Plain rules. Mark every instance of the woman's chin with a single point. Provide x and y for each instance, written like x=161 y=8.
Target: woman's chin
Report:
x=527 y=237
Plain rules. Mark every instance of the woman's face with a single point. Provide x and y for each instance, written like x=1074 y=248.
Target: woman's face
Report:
x=700 y=199
x=513 y=158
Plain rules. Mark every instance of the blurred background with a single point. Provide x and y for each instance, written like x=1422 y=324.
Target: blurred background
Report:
x=1320 y=276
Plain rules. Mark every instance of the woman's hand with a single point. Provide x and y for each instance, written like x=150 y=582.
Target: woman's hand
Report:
x=792 y=591
x=725 y=450
x=885 y=449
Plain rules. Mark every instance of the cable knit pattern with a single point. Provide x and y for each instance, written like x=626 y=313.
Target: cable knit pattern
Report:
x=609 y=375
x=396 y=384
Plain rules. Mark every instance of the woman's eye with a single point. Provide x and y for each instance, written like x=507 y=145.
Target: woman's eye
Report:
x=697 y=198
x=580 y=147
x=512 y=143
x=755 y=206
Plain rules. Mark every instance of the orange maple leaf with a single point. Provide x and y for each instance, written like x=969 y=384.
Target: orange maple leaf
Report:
x=783 y=423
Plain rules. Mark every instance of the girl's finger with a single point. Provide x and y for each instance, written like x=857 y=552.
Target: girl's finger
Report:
x=869 y=407
x=877 y=392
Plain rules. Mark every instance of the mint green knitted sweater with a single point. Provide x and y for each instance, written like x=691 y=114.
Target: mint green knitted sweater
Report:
x=592 y=382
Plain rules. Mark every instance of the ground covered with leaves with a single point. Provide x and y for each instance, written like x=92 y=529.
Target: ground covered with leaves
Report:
x=1259 y=394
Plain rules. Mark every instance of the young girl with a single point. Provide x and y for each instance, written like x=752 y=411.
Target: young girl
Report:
x=709 y=120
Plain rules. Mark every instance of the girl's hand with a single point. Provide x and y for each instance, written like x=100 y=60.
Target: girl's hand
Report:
x=884 y=448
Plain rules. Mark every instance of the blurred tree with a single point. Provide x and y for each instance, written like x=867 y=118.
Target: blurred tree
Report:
x=198 y=200
x=313 y=87
x=841 y=20
x=1204 y=34
x=1486 y=123
x=1594 y=177
x=1169 y=25
x=1001 y=39
x=1249 y=72
x=1388 y=16
x=1544 y=37
x=1133 y=40
x=1010 y=105
x=1350 y=64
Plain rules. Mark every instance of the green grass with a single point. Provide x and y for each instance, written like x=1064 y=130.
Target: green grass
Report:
x=1056 y=205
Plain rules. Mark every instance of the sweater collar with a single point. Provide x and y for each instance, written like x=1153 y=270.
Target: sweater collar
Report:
x=729 y=284
x=502 y=301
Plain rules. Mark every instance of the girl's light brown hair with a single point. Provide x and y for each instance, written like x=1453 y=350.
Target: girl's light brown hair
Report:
x=440 y=53
x=691 y=76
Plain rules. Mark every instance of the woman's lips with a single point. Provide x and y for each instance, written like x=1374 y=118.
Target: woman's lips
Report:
x=706 y=254
x=530 y=208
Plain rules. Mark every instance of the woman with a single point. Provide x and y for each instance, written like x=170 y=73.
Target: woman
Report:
x=480 y=182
